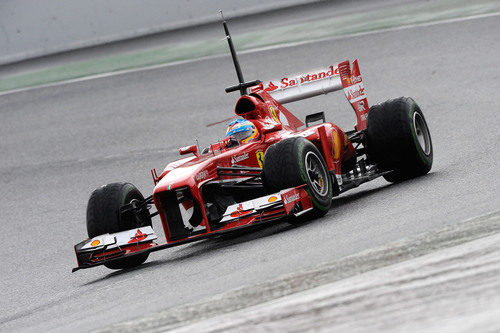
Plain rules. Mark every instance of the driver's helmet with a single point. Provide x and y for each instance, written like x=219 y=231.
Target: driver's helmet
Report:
x=242 y=130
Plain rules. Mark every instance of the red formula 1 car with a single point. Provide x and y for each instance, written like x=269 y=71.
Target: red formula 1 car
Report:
x=287 y=173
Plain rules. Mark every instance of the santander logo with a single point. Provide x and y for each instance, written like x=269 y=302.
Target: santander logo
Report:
x=271 y=86
x=301 y=79
x=236 y=159
x=239 y=211
x=291 y=198
x=139 y=236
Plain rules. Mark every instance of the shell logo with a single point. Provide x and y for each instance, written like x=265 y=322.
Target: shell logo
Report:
x=272 y=199
x=95 y=243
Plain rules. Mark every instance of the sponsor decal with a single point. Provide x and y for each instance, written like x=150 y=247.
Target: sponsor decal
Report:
x=301 y=79
x=291 y=198
x=336 y=144
x=260 y=157
x=355 y=93
x=273 y=113
x=355 y=79
x=202 y=175
x=237 y=159
x=271 y=87
x=139 y=236
x=95 y=243
x=272 y=199
x=361 y=106
x=239 y=211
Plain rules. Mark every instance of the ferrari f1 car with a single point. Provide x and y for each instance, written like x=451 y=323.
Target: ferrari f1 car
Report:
x=288 y=173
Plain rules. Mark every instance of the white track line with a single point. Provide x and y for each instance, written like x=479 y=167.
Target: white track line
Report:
x=266 y=48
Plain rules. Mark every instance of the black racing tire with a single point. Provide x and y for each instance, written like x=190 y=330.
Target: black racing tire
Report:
x=296 y=161
x=103 y=216
x=399 y=139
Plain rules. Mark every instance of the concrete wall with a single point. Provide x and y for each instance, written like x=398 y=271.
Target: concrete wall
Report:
x=32 y=28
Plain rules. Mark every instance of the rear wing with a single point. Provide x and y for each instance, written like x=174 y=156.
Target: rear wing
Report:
x=320 y=82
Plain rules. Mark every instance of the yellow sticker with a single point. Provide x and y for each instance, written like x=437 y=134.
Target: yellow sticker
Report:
x=336 y=145
x=272 y=199
x=273 y=113
x=260 y=157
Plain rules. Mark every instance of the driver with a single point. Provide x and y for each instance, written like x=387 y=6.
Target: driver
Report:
x=242 y=130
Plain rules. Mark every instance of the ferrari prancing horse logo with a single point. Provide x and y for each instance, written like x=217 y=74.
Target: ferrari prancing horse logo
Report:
x=273 y=113
x=260 y=157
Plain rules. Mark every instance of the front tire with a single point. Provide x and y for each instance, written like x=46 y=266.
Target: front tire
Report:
x=398 y=139
x=296 y=161
x=103 y=216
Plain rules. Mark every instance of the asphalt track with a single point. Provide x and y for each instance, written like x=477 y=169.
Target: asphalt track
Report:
x=59 y=143
x=450 y=290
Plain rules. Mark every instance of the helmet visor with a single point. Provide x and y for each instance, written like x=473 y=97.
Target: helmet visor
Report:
x=240 y=136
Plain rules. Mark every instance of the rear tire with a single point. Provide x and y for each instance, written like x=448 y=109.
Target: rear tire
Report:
x=398 y=139
x=103 y=216
x=296 y=161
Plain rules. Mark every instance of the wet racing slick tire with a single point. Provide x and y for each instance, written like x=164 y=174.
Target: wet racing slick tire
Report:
x=103 y=216
x=398 y=139
x=296 y=161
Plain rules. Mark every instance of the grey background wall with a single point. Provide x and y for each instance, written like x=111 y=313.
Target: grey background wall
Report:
x=32 y=28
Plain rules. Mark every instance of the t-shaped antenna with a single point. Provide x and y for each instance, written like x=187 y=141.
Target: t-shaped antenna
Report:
x=242 y=86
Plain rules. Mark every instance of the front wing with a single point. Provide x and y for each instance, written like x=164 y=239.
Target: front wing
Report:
x=116 y=246
x=293 y=201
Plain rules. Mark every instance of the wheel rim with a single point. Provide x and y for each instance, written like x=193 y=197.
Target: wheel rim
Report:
x=422 y=133
x=316 y=174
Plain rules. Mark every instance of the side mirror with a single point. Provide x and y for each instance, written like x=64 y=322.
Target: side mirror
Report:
x=189 y=149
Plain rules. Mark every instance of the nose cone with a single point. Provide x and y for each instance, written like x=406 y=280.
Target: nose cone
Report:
x=178 y=177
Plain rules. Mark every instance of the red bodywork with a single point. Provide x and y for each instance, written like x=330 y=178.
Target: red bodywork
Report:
x=187 y=177
x=265 y=113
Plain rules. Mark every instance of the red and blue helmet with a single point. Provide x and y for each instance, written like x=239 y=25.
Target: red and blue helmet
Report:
x=242 y=130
